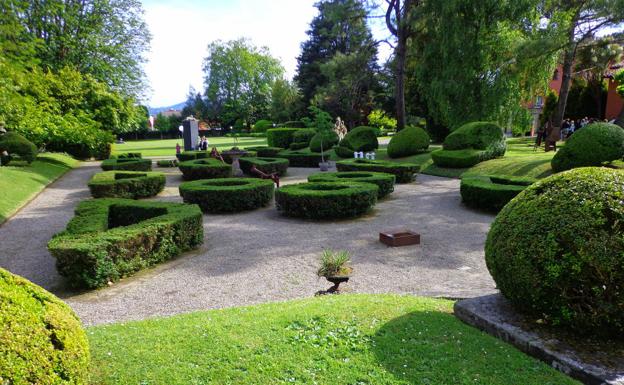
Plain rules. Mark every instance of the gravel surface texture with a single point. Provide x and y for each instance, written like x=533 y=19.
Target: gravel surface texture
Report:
x=260 y=256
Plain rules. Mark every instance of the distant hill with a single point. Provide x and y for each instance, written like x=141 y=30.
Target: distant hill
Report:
x=154 y=111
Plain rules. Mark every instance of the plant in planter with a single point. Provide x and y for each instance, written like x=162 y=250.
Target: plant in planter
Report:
x=325 y=137
x=335 y=268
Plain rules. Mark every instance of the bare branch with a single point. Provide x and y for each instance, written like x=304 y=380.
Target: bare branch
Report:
x=391 y=28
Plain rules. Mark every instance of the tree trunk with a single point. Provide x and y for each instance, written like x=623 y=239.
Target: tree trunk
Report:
x=401 y=52
x=566 y=82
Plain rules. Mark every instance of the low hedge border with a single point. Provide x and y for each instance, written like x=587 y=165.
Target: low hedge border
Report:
x=127 y=164
x=111 y=238
x=228 y=195
x=404 y=172
x=192 y=155
x=126 y=184
x=280 y=137
x=326 y=200
x=208 y=168
x=491 y=193
x=167 y=163
x=126 y=155
x=266 y=165
x=302 y=158
x=456 y=158
x=383 y=180
x=264 y=151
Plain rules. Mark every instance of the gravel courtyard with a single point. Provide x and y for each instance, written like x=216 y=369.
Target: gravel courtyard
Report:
x=260 y=256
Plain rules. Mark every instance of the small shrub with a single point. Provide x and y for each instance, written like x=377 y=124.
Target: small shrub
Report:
x=470 y=144
x=42 y=340
x=126 y=184
x=264 y=151
x=266 y=165
x=293 y=124
x=207 y=168
x=383 y=180
x=262 y=125
x=360 y=139
x=302 y=158
x=343 y=152
x=555 y=251
x=167 y=163
x=280 y=137
x=298 y=145
x=192 y=155
x=593 y=145
x=304 y=135
x=409 y=141
x=111 y=238
x=125 y=155
x=327 y=138
x=491 y=193
x=127 y=164
x=334 y=263
x=404 y=172
x=456 y=158
x=16 y=145
x=326 y=200
x=228 y=195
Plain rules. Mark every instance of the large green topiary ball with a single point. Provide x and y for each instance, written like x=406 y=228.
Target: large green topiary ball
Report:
x=361 y=138
x=592 y=145
x=330 y=138
x=408 y=141
x=16 y=144
x=556 y=251
x=487 y=136
x=41 y=339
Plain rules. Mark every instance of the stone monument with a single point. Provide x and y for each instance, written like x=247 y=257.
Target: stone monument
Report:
x=190 y=133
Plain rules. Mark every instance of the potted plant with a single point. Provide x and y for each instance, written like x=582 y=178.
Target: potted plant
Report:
x=335 y=268
x=322 y=123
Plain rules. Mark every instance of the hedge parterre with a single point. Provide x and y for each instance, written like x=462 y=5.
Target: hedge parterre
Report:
x=228 y=195
x=126 y=184
x=264 y=151
x=192 y=155
x=127 y=164
x=111 y=238
x=404 y=172
x=383 y=180
x=208 y=168
x=491 y=193
x=302 y=158
x=266 y=165
x=326 y=200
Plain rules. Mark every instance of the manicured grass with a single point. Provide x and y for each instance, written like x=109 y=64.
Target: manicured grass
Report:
x=345 y=339
x=22 y=182
x=166 y=147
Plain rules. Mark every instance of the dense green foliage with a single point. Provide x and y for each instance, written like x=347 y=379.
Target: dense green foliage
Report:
x=404 y=172
x=326 y=200
x=127 y=164
x=491 y=193
x=41 y=338
x=302 y=158
x=383 y=180
x=207 y=168
x=265 y=151
x=262 y=125
x=304 y=135
x=323 y=141
x=409 y=141
x=266 y=165
x=167 y=163
x=126 y=184
x=111 y=238
x=359 y=139
x=192 y=155
x=470 y=144
x=593 y=145
x=228 y=195
x=555 y=251
x=456 y=158
x=379 y=119
x=280 y=137
x=16 y=145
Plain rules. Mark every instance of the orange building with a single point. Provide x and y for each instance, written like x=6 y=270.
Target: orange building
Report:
x=614 y=101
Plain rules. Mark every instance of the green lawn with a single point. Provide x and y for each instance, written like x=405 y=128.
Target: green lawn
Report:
x=21 y=183
x=166 y=147
x=344 y=339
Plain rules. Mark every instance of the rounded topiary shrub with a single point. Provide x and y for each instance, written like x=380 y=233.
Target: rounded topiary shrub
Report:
x=302 y=158
x=556 y=251
x=127 y=164
x=456 y=158
x=325 y=139
x=262 y=125
x=326 y=200
x=266 y=165
x=304 y=135
x=383 y=180
x=228 y=195
x=404 y=172
x=16 y=145
x=361 y=138
x=409 y=141
x=207 y=168
x=126 y=184
x=41 y=338
x=491 y=193
x=592 y=145
x=470 y=144
x=280 y=137
x=264 y=151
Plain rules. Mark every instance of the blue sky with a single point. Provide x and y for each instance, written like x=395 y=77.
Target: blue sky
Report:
x=182 y=29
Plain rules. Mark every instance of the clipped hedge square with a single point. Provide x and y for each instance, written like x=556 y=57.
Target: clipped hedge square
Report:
x=126 y=184
x=127 y=164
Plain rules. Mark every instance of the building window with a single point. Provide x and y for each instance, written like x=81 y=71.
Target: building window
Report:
x=556 y=75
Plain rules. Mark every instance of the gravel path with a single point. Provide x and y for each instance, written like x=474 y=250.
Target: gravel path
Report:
x=259 y=256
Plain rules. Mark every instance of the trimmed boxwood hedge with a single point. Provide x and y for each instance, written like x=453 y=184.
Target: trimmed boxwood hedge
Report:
x=192 y=155
x=404 y=172
x=41 y=340
x=16 y=144
x=361 y=138
x=280 y=137
x=111 y=238
x=330 y=138
x=167 y=163
x=207 y=168
x=491 y=193
x=409 y=141
x=470 y=144
x=127 y=164
x=125 y=155
x=266 y=165
x=326 y=200
x=126 y=184
x=264 y=151
x=556 y=250
x=228 y=195
x=383 y=180
x=302 y=158
x=456 y=158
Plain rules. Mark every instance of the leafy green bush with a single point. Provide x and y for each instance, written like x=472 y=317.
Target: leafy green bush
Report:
x=42 y=340
x=456 y=158
x=592 y=145
x=127 y=164
x=491 y=193
x=125 y=155
x=404 y=172
x=555 y=251
x=111 y=238
x=302 y=158
x=228 y=195
x=192 y=155
x=304 y=135
x=280 y=137
x=262 y=125
x=266 y=165
x=409 y=141
x=167 y=163
x=361 y=138
x=126 y=184
x=379 y=119
x=383 y=180
x=264 y=151
x=328 y=139
x=326 y=200
x=485 y=137
x=81 y=143
x=293 y=124
x=16 y=144
x=343 y=152
x=298 y=145
x=208 y=168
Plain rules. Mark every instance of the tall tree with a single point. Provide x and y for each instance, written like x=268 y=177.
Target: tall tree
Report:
x=284 y=101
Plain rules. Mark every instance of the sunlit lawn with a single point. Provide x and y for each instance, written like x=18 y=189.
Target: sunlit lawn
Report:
x=166 y=147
